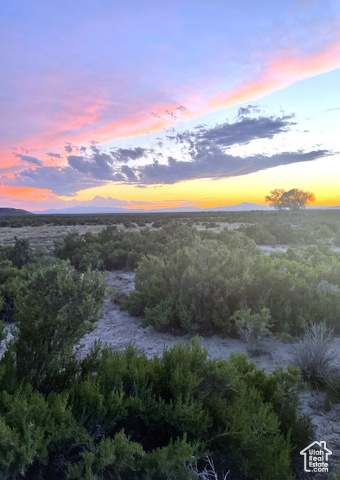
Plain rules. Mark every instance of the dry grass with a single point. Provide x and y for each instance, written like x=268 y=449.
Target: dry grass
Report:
x=313 y=354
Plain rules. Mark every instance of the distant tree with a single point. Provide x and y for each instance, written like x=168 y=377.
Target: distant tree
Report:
x=293 y=199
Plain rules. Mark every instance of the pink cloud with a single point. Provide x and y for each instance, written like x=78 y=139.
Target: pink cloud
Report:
x=86 y=113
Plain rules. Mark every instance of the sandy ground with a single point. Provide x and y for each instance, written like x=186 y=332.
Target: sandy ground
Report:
x=117 y=328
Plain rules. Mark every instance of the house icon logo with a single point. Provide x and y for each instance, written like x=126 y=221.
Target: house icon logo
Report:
x=316 y=457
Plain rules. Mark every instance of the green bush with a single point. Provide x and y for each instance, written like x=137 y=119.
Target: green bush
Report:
x=252 y=327
x=114 y=250
x=109 y=459
x=54 y=308
x=198 y=288
x=259 y=234
x=8 y=288
x=32 y=428
x=126 y=416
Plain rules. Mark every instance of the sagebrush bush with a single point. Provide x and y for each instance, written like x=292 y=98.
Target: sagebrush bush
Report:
x=313 y=354
x=54 y=308
x=126 y=416
x=252 y=327
x=199 y=287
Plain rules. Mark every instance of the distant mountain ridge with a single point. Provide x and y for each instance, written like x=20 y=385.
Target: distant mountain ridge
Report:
x=14 y=211
x=241 y=207
x=245 y=206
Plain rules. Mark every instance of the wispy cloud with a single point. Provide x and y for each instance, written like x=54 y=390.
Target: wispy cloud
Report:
x=29 y=159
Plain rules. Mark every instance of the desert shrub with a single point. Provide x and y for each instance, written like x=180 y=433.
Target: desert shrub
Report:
x=90 y=258
x=183 y=286
x=171 y=462
x=130 y=417
x=83 y=251
x=254 y=423
x=32 y=428
x=8 y=288
x=211 y=225
x=54 y=308
x=129 y=225
x=99 y=412
x=313 y=234
x=282 y=231
x=184 y=393
x=68 y=246
x=313 y=354
x=252 y=327
x=259 y=234
x=157 y=224
x=5 y=252
x=115 y=258
x=21 y=253
x=114 y=250
x=198 y=287
x=107 y=234
x=109 y=459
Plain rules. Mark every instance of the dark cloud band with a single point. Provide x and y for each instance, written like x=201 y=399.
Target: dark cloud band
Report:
x=206 y=151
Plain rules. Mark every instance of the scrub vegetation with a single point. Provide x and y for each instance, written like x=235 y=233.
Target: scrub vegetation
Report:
x=178 y=415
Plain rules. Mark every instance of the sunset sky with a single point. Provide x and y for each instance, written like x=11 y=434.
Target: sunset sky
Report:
x=150 y=104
